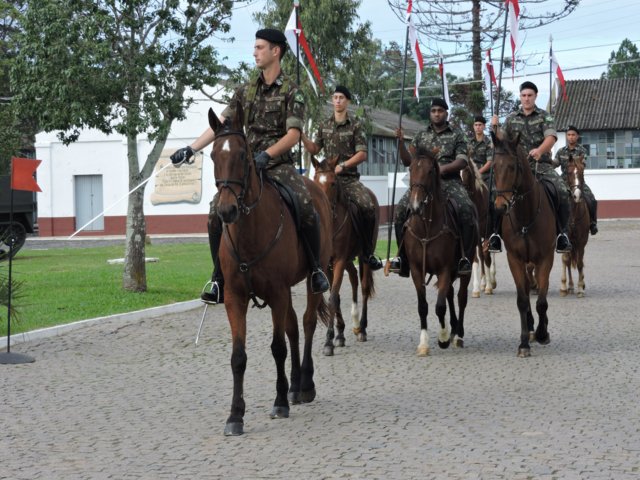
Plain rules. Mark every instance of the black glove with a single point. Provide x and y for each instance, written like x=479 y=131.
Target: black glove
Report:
x=183 y=155
x=261 y=160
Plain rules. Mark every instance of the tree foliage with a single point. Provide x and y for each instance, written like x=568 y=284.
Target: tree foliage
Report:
x=627 y=51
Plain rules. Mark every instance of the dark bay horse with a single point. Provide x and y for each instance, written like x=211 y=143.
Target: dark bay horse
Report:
x=262 y=257
x=433 y=247
x=579 y=221
x=529 y=232
x=479 y=194
x=346 y=245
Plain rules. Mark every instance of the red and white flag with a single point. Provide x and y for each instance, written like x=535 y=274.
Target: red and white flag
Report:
x=443 y=75
x=489 y=76
x=556 y=68
x=291 y=32
x=514 y=14
x=415 y=50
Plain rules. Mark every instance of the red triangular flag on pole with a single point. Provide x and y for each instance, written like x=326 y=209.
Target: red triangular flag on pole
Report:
x=290 y=33
x=555 y=67
x=22 y=170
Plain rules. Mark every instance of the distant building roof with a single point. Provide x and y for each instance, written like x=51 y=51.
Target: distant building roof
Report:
x=612 y=104
x=384 y=121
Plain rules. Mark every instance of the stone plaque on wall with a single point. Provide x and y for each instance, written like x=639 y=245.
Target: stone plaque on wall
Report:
x=175 y=185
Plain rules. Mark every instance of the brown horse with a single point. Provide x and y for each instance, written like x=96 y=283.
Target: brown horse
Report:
x=479 y=193
x=433 y=247
x=579 y=222
x=263 y=258
x=528 y=230
x=346 y=246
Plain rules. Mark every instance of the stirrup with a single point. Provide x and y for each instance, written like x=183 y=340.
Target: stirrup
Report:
x=205 y=296
x=373 y=258
x=322 y=288
x=489 y=244
x=593 y=228
x=464 y=273
x=568 y=248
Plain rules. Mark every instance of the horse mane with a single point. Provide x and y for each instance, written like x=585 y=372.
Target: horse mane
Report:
x=480 y=183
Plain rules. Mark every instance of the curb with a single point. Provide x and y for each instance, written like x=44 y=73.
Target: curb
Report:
x=49 y=332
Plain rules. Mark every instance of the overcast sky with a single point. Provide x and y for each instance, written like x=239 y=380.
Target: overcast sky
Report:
x=594 y=23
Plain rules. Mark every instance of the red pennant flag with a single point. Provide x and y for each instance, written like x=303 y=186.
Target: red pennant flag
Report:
x=22 y=170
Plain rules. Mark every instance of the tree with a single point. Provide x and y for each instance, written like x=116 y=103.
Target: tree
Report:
x=117 y=66
x=627 y=51
x=473 y=26
x=341 y=47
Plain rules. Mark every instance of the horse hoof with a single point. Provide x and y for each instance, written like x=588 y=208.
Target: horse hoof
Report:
x=532 y=337
x=423 y=351
x=362 y=337
x=545 y=341
x=280 y=412
x=488 y=291
x=494 y=284
x=339 y=342
x=294 y=398
x=524 y=352
x=475 y=295
x=308 y=397
x=356 y=331
x=233 y=429
x=328 y=351
x=571 y=290
x=563 y=293
x=580 y=294
x=444 y=345
x=458 y=343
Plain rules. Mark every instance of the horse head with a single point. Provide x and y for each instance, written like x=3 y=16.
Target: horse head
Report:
x=507 y=170
x=325 y=176
x=232 y=164
x=575 y=176
x=424 y=178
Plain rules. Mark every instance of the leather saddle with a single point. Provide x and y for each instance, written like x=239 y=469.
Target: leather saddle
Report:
x=289 y=198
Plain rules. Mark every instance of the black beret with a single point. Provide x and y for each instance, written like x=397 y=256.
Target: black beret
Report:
x=344 y=90
x=271 y=35
x=480 y=119
x=438 y=102
x=529 y=85
x=571 y=127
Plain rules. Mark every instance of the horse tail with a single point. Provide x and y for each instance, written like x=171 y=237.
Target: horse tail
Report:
x=325 y=312
x=368 y=285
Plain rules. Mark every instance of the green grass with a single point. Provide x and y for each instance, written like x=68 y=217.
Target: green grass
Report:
x=63 y=286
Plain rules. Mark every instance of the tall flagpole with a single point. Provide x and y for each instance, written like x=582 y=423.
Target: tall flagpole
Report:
x=395 y=173
x=497 y=112
x=296 y=4
x=442 y=74
x=550 y=76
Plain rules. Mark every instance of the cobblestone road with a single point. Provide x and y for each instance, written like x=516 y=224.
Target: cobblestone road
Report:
x=139 y=401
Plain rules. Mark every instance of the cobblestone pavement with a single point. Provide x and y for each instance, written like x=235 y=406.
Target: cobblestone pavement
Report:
x=139 y=401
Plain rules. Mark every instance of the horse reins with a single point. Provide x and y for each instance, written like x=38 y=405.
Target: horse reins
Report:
x=244 y=267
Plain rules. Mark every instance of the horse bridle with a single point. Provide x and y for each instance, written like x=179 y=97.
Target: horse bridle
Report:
x=427 y=190
x=515 y=196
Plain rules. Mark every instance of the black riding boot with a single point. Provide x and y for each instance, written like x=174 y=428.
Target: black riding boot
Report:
x=594 y=218
x=312 y=244
x=563 y=245
x=400 y=264
x=369 y=225
x=466 y=237
x=495 y=241
x=216 y=292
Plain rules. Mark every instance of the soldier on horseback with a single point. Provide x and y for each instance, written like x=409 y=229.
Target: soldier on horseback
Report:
x=537 y=136
x=481 y=146
x=562 y=160
x=344 y=137
x=452 y=158
x=274 y=111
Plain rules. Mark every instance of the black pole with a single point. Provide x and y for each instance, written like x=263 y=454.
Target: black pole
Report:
x=442 y=77
x=10 y=236
x=550 y=77
x=395 y=173
x=298 y=80
x=497 y=112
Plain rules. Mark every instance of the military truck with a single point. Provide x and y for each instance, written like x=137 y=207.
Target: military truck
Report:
x=24 y=207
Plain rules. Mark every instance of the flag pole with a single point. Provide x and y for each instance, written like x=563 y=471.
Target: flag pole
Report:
x=395 y=173
x=497 y=112
x=442 y=74
x=550 y=76
x=296 y=5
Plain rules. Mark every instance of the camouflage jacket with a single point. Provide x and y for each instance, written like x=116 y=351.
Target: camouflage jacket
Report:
x=451 y=141
x=562 y=157
x=533 y=130
x=342 y=139
x=480 y=151
x=266 y=125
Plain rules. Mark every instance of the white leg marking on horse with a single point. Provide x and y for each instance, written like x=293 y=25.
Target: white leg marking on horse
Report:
x=355 y=315
x=225 y=147
x=444 y=336
x=323 y=179
x=475 y=272
x=423 y=348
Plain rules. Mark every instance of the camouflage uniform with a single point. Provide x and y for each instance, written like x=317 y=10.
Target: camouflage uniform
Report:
x=533 y=130
x=265 y=128
x=345 y=139
x=562 y=159
x=453 y=146
x=481 y=153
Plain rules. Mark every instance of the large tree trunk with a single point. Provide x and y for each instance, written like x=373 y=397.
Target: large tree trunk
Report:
x=476 y=49
x=134 y=277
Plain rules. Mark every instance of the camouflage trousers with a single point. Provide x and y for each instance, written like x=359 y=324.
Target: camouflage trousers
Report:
x=450 y=188
x=546 y=171
x=356 y=192
x=284 y=173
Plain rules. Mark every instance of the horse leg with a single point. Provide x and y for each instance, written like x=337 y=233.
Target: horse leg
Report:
x=339 y=340
x=563 y=281
x=453 y=318
x=530 y=320
x=355 y=312
x=484 y=280
x=237 y=314
x=279 y=313
x=423 y=310
x=294 y=338
x=492 y=270
x=543 y=270
x=334 y=301
x=444 y=285
x=309 y=322
x=458 y=340
x=580 y=265
x=366 y=285
x=477 y=272
x=571 y=286
x=519 y=273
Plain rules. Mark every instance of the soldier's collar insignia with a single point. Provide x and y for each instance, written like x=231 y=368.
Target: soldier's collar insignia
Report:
x=299 y=98
x=279 y=81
